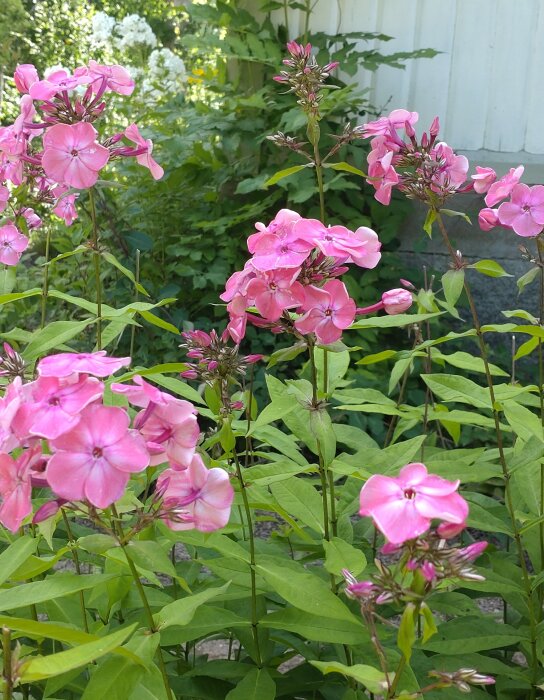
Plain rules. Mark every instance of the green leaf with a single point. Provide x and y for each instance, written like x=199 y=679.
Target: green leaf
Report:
x=316 y=627
x=53 y=335
x=340 y=555
x=277 y=409
x=452 y=213
x=109 y=257
x=181 y=611
x=342 y=165
x=464 y=360
x=321 y=427
x=300 y=499
x=15 y=556
x=49 y=589
x=159 y=322
x=406 y=636
x=470 y=634
x=394 y=321
x=491 y=268
x=284 y=173
x=97 y=544
x=41 y=667
x=8 y=276
x=256 y=685
x=527 y=278
x=429 y=625
x=429 y=221
x=377 y=357
x=452 y=283
x=372 y=678
x=526 y=348
x=301 y=588
x=451 y=387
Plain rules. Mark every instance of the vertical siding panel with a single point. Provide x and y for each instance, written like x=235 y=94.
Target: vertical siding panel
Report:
x=534 y=134
x=360 y=16
x=510 y=57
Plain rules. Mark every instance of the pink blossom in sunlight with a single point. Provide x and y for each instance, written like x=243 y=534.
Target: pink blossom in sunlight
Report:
x=483 y=179
x=272 y=251
x=328 y=311
x=196 y=497
x=142 y=393
x=72 y=155
x=25 y=76
x=93 y=462
x=117 y=78
x=274 y=291
x=280 y=226
x=65 y=208
x=402 y=507
x=16 y=488
x=57 y=81
x=12 y=244
x=524 y=213
x=502 y=188
x=171 y=432
x=64 y=364
x=145 y=159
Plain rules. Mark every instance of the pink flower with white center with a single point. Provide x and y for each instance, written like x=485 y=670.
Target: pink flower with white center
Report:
x=142 y=393
x=483 y=179
x=145 y=159
x=57 y=81
x=63 y=364
x=72 y=155
x=117 y=78
x=502 y=188
x=329 y=311
x=274 y=291
x=4 y=197
x=25 y=76
x=196 y=498
x=488 y=219
x=384 y=125
x=16 y=488
x=402 y=507
x=281 y=226
x=525 y=211
x=9 y=405
x=12 y=244
x=93 y=462
x=272 y=251
x=171 y=432
x=53 y=406
x=396 y=301
x=65 y=208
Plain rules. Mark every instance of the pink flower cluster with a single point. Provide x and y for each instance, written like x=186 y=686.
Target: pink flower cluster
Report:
x=428 y=170
x=294 y=268
x=53 y=148
x=523 y=213
x=62 y=436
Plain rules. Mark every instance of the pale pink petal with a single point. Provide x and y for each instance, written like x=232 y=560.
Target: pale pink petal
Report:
x=378 y=490
x=66 y=474
x=104 y=485
x=399 y=521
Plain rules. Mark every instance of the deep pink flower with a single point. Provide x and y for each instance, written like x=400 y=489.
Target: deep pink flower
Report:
x=396 y=301
x=72 y=155
x=472 y=551
x=449 y=530
x=402 y=507
x=65 y=208
x=236 y=327
x=238 y=281
x=281 y=226
x=328 y=311
x=488 y=219
x=503 y=187
x=274 y=291
x=117 y=78
x=16 y=488
x=272 y=251
x=145 y=159
x=483 y=179
x=9 y=405
x=384 y=125
x=25 y=76
x=57 y=81
x=171 y=432
x=453 y=169
x=333 y=241
x=64 y=364
x=12 y=244
x=93 y=462
x=428 y=571
x=525 y=211
x=142 y=393
x=196 y=497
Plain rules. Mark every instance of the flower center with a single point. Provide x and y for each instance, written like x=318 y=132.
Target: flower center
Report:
x=410 y=494
x=97 y=452
x=284 y=249
x=526 y=208
x=328 y=312
x=74 y=152
x=54 y=401
x=7 y=244
x=273 y=286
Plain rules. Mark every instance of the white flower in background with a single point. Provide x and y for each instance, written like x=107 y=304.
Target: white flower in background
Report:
x=133 y=30
x=167 y=71
x=102 y=28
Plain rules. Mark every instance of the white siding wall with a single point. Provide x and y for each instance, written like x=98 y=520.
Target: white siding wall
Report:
x=487 y=86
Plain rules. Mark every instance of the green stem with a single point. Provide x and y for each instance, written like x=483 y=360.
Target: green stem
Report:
x=254 y=615
x=396 y=679
x=504 y=466
x=117 y=527
x=45 y=284
x=77 y=566
x=136 y=296
x=540 y=249
x=96 y=263
x=319 y=175
x=8 y=677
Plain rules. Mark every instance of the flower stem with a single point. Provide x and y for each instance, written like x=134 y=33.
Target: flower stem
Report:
x=6 y=650
x=136 y=296
x=540 y=249
x=77 y=566
x=254 y=616
x=319 y=175
x=504 y=466
x=96 y=263
x=45 y=283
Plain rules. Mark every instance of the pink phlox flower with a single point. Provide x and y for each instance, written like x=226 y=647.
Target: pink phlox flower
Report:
x=368 y=255
x=502 y=188
x=281 y=226
x=72 y=155
x=328 y=311
x=26 y=116
x=13 y=149
x=396 y=301
x=236 y=327
x=9 y=405
x=63 y=364
x=93 y=461
x=117 y=78
x=524 y=213
x=333 y=241
x=386 y=125
x=449 y=530
x=454 y=168
x=16 y=488
x=53 y=406
x=142 y=393
x=4 y=197
x=171 y=432
x=488 y=219
x=145 y=159
x=272 y=251
x=12 y=244
x=472 y=551
x=32 y=219
x=402 y=507
x=57 y=81
x=483 y=179
x=25 y=76
x=65 y=208
x=196 y=497
x=428 y=571
x=382 y=174
x=274 y=291
x=238 y=281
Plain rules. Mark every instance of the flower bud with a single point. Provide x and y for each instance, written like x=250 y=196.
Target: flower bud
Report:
x=396 y=301
x=48 y=510
x=488 y=219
